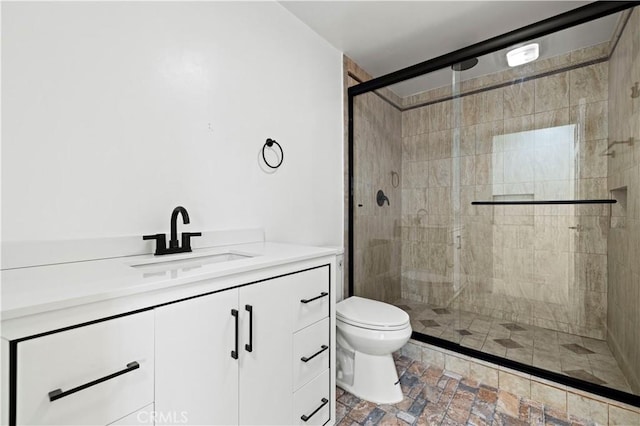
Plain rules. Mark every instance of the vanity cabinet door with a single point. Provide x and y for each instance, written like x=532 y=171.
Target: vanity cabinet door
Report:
x=196 y=372
x=265 y=371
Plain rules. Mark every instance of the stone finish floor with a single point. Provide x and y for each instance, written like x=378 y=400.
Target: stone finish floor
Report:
x=437 y=397
x=569 y=354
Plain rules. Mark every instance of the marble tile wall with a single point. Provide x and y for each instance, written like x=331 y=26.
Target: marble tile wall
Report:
x=623 y=314
x=377 y=153
x=518 y=263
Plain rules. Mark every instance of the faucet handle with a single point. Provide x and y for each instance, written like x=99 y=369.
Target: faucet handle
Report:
x=186 y=239
x=161 y=242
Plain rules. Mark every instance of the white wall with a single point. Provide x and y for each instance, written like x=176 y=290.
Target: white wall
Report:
x=114 y=113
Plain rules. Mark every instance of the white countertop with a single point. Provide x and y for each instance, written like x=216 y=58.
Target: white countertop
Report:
x=33 y=290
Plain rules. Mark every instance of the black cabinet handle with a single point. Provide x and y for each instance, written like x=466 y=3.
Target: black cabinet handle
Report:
x=249 y=347
x=234 y=354
x=305 y=359
x=58 y=393
x=325 y=401
x=323 y=294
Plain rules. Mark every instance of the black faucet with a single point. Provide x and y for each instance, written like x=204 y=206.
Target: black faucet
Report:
x=174 y=245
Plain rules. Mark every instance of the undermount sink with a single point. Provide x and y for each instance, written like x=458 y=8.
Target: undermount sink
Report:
x=194 y=261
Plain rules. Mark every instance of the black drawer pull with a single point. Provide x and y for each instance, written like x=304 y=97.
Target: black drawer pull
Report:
x=249 y=347
x=234 y=353
x=323 y=294
x=58 y=393
x=325 y=401
x=305 y=359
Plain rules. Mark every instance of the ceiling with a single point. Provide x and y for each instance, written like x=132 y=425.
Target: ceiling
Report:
x=384 y=36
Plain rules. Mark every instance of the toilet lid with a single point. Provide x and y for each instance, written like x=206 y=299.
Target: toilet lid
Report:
x=370 y=313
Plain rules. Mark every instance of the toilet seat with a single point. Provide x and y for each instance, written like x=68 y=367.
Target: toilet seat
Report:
x=371 y=314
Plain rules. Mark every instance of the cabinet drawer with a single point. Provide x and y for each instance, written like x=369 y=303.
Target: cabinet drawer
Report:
x=310 y=296
x=78 y=358
x=310 y=352
x=311 y=404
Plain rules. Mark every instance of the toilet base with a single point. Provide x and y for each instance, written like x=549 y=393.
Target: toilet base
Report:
x=375 y=379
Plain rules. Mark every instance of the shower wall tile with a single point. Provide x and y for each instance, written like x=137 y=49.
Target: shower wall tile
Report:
x=415 y=174
x=439 y=201
x=558 y=117
x=467 y=170
x=593 y=162
x=415 y=148
x=440 y=116
x=518 y=99
x=519 y=124
x=440 y=172
x=471 y=108
x=590 y=53
x=592 y=237
x=592 y=119
x=467 y=195
x=549 y=234
x=414 y=199
x=552 y=92
x=415 y=122
x=427 y=96
x=553 y=63
x=551 y=267
x=440 y=144
x=593 y=188
x=483 y=169
x=468 y=140
x=492 y=106
x=485 y=134
x=589 y=84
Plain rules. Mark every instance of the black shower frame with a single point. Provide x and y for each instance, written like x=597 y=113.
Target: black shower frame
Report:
x=554 y=24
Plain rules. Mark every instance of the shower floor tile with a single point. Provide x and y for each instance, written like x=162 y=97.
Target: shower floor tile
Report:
x=575 y=348
x=508 y=343
x=513 y=327
x=576 y=356
x=433 y=396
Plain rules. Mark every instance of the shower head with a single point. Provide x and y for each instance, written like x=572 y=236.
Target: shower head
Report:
x=465 y=65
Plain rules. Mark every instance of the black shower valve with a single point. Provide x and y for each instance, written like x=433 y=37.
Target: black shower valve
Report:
x=381 y=198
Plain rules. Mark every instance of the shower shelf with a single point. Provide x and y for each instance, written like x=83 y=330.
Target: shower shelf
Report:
x=539 y=202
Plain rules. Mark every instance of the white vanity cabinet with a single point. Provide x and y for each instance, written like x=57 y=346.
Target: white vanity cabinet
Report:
x=248 y=348
x=216 y=371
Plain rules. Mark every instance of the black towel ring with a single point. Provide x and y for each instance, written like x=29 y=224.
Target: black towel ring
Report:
x=269 y=143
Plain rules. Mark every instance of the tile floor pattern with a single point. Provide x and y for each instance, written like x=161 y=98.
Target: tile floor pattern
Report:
x=437 y=397
x=576 y=356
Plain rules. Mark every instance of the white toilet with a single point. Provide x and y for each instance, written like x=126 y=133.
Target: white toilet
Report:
x=368 y=333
